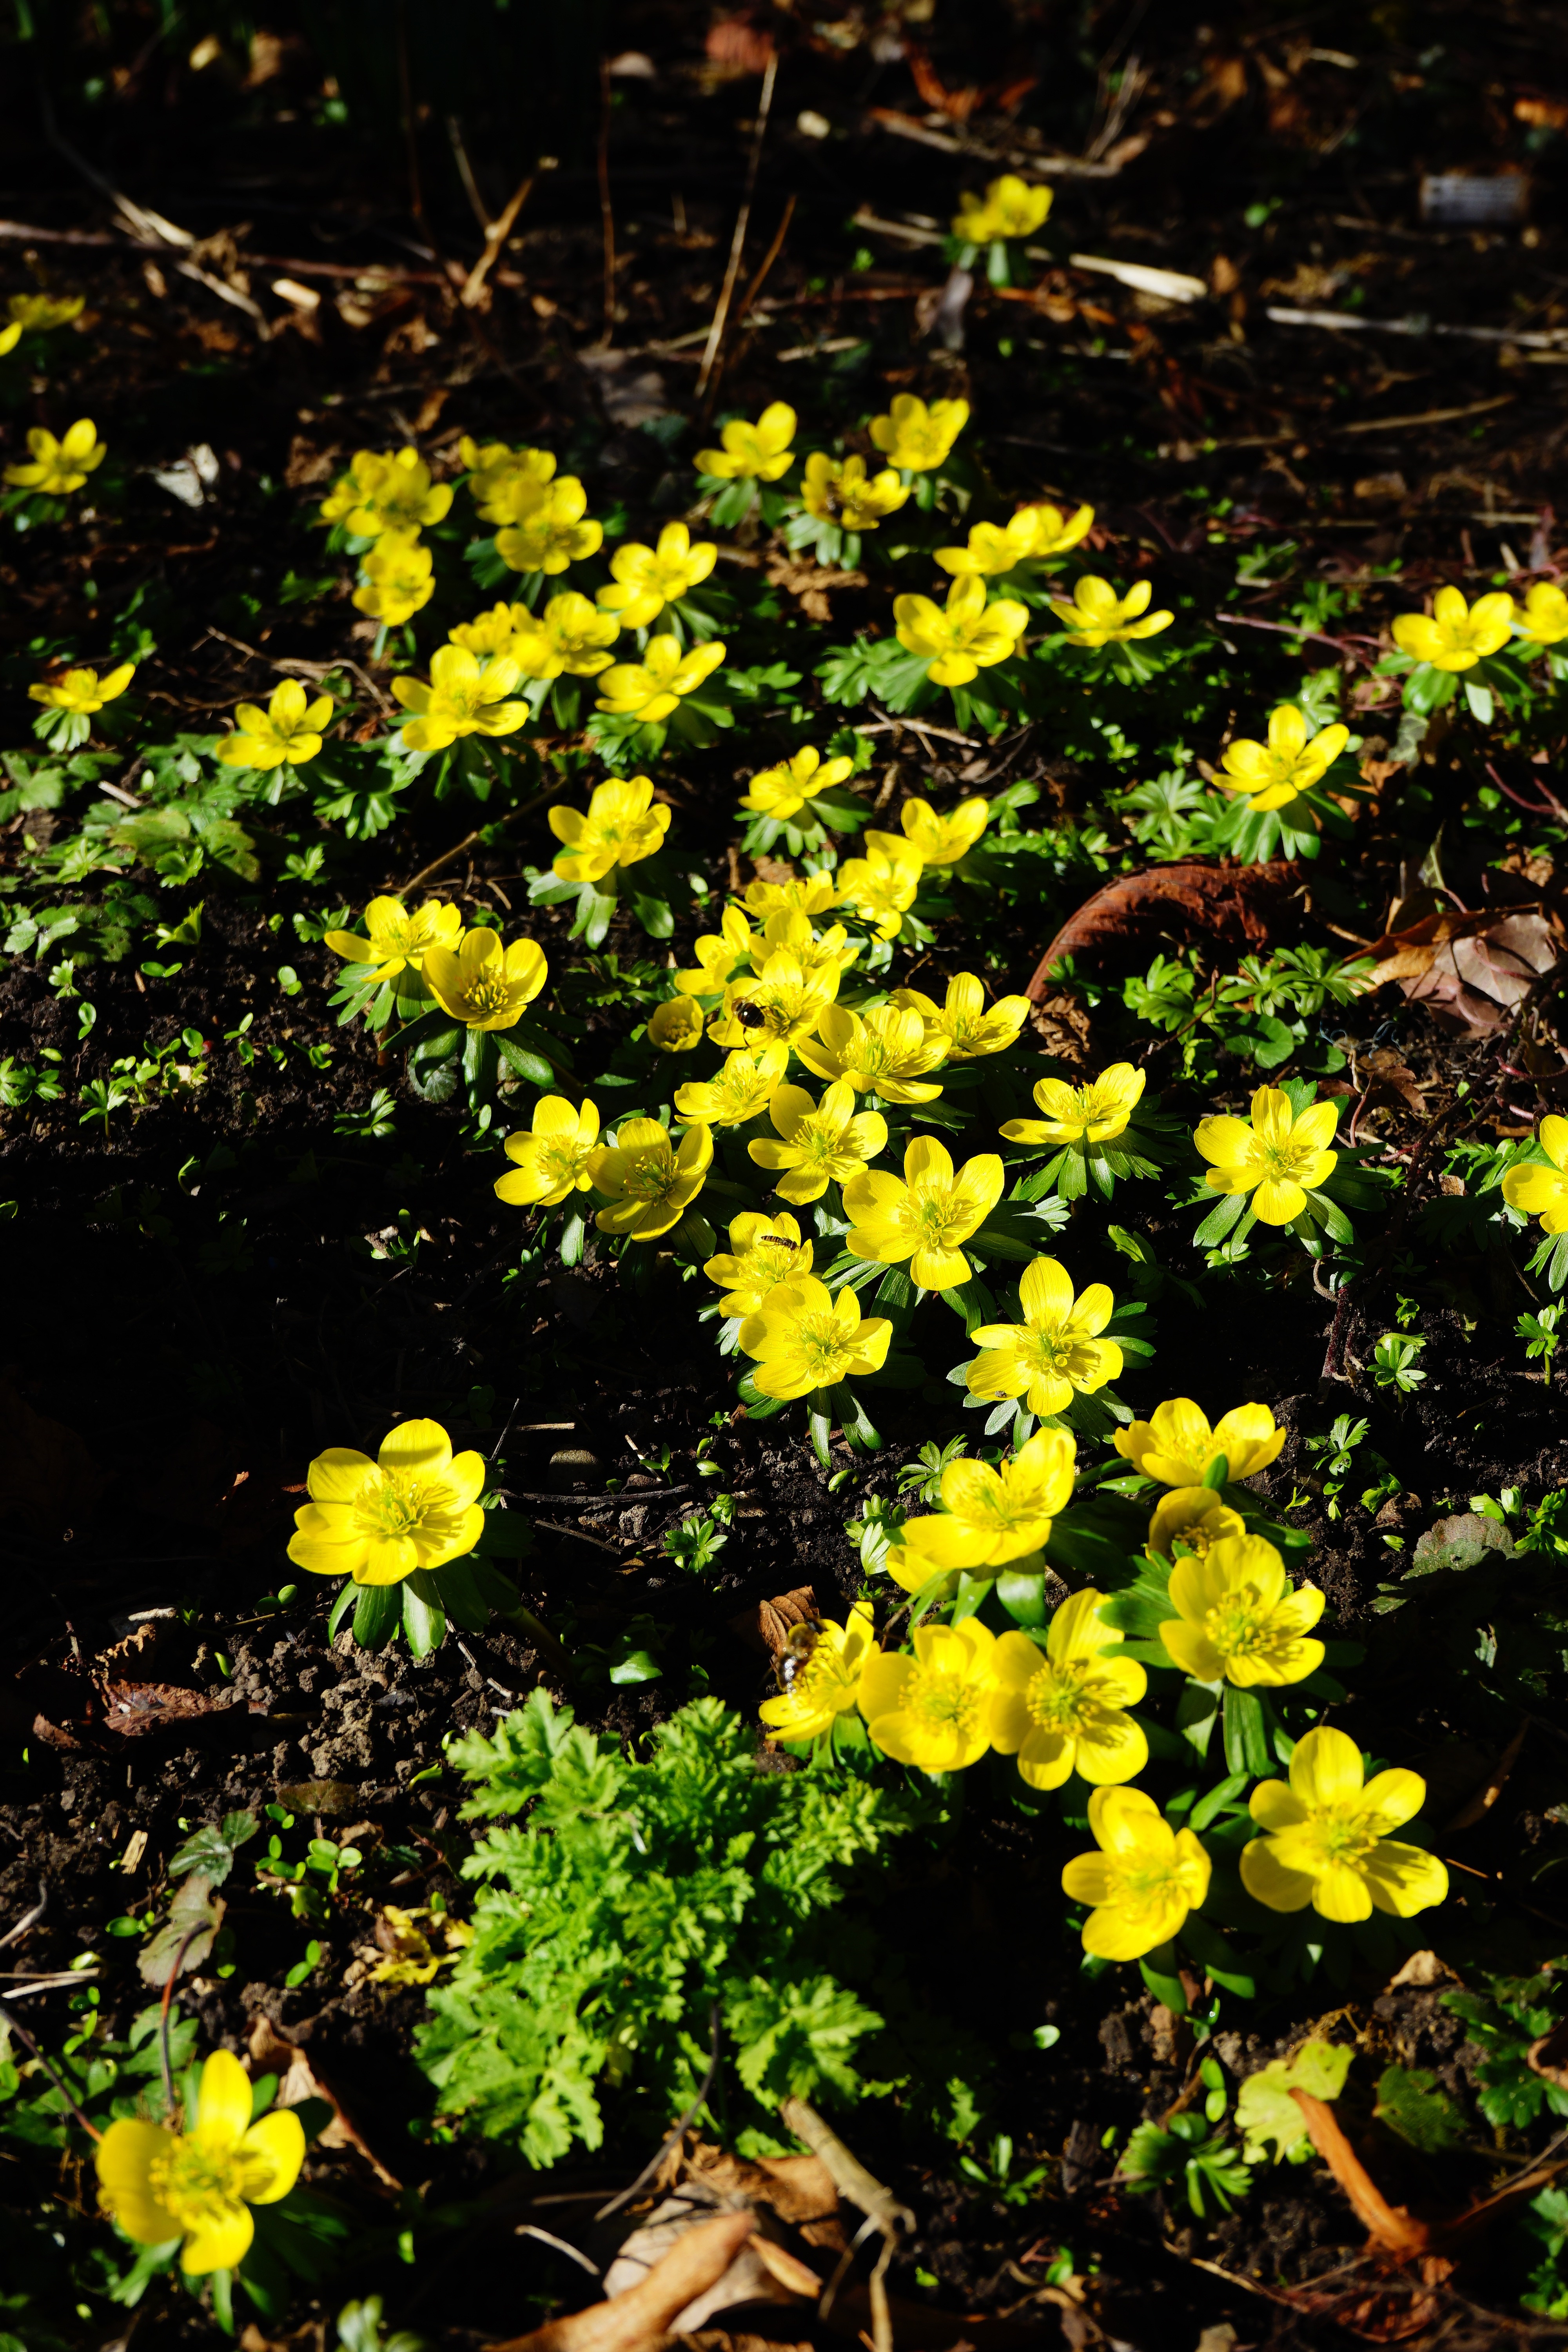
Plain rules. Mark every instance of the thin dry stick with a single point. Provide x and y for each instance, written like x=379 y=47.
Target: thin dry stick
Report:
x=742 y=220
x=677 y=2132
x=743 y=308
x=22 y=2035
x=496 y=234
x=880 y=2207
x=607 y=213
x=525 y=809
x=163 y=2018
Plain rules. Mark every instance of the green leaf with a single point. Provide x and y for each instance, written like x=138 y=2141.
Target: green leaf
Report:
x=376 y=1612
x=424 y=1617
x=1268 y=2117
x=212 y=1850
x=530 y=1065
x=1410 y=2102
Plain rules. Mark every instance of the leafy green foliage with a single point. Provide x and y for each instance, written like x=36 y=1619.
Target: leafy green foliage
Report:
x=1184 y=2155
x=1411 y=2103
x=1503 y=2021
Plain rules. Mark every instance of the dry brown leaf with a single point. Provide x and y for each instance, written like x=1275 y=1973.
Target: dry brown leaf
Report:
x=1241 y=908
x=638 y=2319
x=272 y=2052
x=1470 y=966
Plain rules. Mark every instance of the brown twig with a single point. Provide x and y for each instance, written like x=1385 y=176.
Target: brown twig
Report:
x=743 y=308
x=20 y=2030
x=607 y=211
x=178 y=1962
x=742 y=220
x=496 y=235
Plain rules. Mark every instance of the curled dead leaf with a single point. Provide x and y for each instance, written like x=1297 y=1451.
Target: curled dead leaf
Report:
x=1238 y=909
x=637 y=2319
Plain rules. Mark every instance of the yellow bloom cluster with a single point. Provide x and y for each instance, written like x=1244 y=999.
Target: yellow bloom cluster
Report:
x=57 y=467
x=470 y=974
x=542 y=518
x=1010 y=207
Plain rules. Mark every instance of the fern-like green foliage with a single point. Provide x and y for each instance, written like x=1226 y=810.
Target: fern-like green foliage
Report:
x=633 y=1898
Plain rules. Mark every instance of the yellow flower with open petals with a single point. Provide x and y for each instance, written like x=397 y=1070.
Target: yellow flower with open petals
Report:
x=883 y=1051
x=394 y=938
x=1063 y=1710
x=676 y=1025
x=990 y=549
x=804 y=1337
x=464 y=697
x=719 y=955
x=1192 y=1519
x=355 y=489
x=966 y=1024
x=648 y=1177
x=786 y=1000
x=1544 y=620
x=646 y=579
x=1456 y=636
x=551 y=1160
x=481 y=984
x=198 y=2186
x=826 y=1683
x=843 y=492
x=396 y=493
x=1271 y=774
x=1080 y=1115
x=1010 y=207
x=507 y=485
x=1327 y=1842
x=1177 y=1446
x=1540 y=1191
x=933 y=1710
x=992 y=1516
x=557 y=530
x=820 y=1143
x=1055 y=1352
x=650 y=689
x=289 y=729
x=925 y=1213
x=763 y=1253
x=57 y=467
x=1053 y=531
x=415 y=1505
x=621 y=827
x=963 y=638
x=495 y=632
x=747 y=1083
x=82 y=691
x=753 y=453
x=1238 y=1619
x=37 y=314
x=944 y=840
x=1144 y=1881
x=399 y=580
x=883 y=884
x=782 y=791
x=916 y=437
x=1098 y=616
x=571 y=634
x=1279 y=1158
x=803 y=894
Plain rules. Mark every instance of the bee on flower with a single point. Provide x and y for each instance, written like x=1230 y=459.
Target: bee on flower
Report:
x=785 y=1001
x=288 y=731
x=824 y=1683
x=915 y=438
x=56 y=468
x=841 y=495
x=763 y=1253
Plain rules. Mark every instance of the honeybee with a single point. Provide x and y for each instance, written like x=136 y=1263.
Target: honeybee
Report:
x=750 y=1015
x=795 y=1650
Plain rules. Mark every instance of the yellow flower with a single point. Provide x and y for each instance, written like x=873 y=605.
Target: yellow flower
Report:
x=399 y=580
x=289 y=729
x=883 y=885
x=1010 y=207
x=10 y=336
x=1033 y=534
x=1064 y=1709
x=753 y=453
x=394 y=938
x=415 y=1505
x=1544 y=1191
x=1080 y=1115
x=933 y=1710
x=650 y=689
x=811 y=894
x=1144 y=1881
x=826 y=1685
x=395 y=494
x=924 y=1214
x=964 y=638
x=1272 y=773
x=648 y=1178
x=763 y=1253
x=823 y=1144
x=622 y=827
x=780 y=792
x=555 y=533
x=1283 y=1156
x=805 y=1338
x=199 y=2185
x=791 y=997
x=1545 y=616
x=1238 y=1619
x=1457 y=635
x=82 y=690
x=646 y=579
x=963 y=1021
x=411 y=1957
x=569 y=634
x=505 y=485
x=482 y=984
x=845 y=494
x=1327 y=1842
x=34 y=314
x=676 y=1025
x=1098 y=617
x=1177 y=1446
x=57 y=466
x=944 y=840
x=495 y=632
x=1053 y=532
x=993 y=1517
x=743 y=1090
x=1056 y=1352
x=916 y=437
x=883 y=1051
x=552 y=1160
x=719 y=954
x=354 y=489
x=464 y=697
x=1194 y=1519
